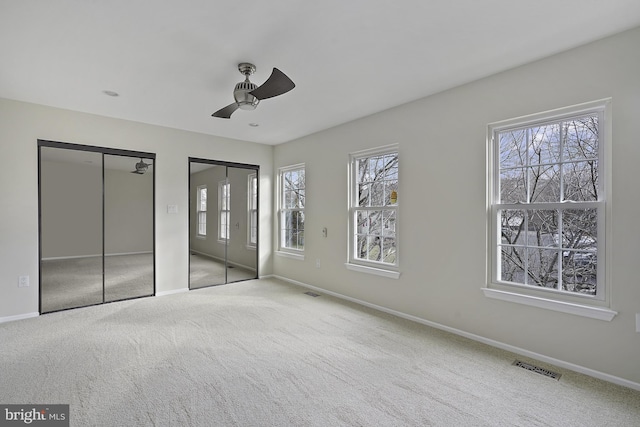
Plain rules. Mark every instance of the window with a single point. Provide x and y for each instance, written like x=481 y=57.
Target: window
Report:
x=373 y=211
x=252 y=204
x=292 y=200
x=224 y=210
x=548 y=201
x=201 y=209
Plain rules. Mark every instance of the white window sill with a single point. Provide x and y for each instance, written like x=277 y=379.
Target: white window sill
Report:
x=299 y=257
x=372 y=270
x=599 y=313
x=251 y=247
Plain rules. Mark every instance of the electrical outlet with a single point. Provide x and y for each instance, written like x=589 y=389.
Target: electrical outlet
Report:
x=318 y=263
x=23 y=281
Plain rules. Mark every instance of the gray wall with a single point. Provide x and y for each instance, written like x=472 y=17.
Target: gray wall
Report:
x=443 y=206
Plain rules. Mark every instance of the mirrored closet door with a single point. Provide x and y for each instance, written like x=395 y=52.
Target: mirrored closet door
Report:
x=223 y=222
x=96 y=225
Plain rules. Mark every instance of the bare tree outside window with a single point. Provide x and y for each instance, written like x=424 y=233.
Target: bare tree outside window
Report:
x=549 y=204
x=292 y=208
x=375 y=212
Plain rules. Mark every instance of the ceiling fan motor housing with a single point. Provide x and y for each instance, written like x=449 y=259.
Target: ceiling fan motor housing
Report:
x=243 y=98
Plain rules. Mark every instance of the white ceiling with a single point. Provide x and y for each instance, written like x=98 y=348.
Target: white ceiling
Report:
x=175 y=62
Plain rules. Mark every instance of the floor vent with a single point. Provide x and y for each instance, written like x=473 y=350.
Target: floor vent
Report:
x=312 y=294
x=537 y=370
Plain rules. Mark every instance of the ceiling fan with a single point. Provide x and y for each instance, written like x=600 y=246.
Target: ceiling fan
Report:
x=248 y=95
x=141 y=167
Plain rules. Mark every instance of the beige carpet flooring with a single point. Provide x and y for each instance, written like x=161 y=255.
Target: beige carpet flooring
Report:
x=262 y=353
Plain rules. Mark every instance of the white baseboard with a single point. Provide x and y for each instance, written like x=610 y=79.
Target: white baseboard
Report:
x=18 y=317
x=171 y=292
x=556 y=362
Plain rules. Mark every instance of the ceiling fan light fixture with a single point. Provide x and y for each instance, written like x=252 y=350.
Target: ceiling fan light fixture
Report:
x=241 y=94
x=248 y=95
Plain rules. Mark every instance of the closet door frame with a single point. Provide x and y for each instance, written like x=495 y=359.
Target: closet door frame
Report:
x=104 y=151
x=254 y=168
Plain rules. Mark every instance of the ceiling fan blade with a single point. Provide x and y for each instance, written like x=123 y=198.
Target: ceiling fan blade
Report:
x=225 y=113
x=277 y=84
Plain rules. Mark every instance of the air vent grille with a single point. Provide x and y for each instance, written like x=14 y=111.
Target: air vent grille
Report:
x=537 y=370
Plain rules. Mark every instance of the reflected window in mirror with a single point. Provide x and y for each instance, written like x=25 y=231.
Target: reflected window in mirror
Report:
x=252 y=226
x=292 y=201
x=201 y=210
x=224 y=210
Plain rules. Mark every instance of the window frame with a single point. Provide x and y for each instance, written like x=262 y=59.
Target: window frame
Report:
x=595 y=306
x=252 y=209
x=201 y=213
x=389 y=270
x=282 y=250
x=223 y=186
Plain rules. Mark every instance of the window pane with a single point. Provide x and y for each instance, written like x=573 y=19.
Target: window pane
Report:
x=389 y=223
x=375 y=222
x=579 y=272
x=363 y=170
x=581 y=141
x=513 y=186
x=362 y=221
x=513 y=149
x=373 y=248
x=288 y=240
x=544 y=183
x=361 y=247
x=392 y=168
x=389 y=250
x=300 y=201
x=377 y=193
x=389 y=187
x=202 y=196
x=364 y=195
x=580 y=230
x=544 y=144
x=512 y=227
x=512 y=264
x=543 y=228
x=542 y=267
x=377 y=166
x=581 y=181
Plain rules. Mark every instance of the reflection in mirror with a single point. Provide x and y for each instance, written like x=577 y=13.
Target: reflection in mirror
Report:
x=241 y=257
x=222 y=224
x=128 y=227
x=71 y=228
